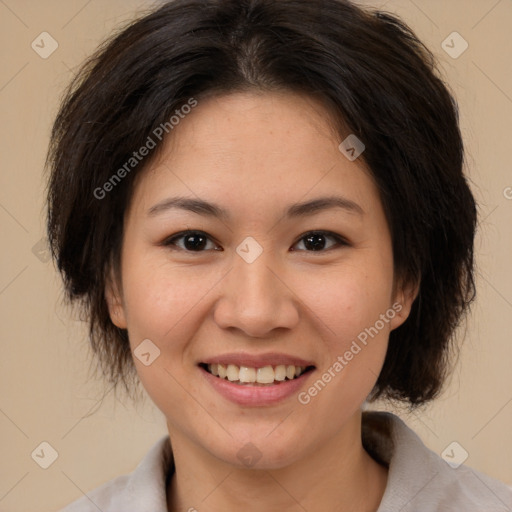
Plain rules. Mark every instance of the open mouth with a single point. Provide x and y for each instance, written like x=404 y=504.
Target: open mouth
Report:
x=249 y=376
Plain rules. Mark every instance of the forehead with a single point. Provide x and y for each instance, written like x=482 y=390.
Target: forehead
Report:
x=249 y=149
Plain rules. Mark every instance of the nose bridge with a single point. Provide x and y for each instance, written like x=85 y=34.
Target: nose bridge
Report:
x=253 y=298
x=254 y=280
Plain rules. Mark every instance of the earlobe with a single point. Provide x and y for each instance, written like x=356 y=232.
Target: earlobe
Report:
x=404 y=298
x=115 y=304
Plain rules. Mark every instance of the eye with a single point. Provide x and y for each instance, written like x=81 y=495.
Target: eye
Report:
x=197 y=241
x=193 y=241
x=316 y=241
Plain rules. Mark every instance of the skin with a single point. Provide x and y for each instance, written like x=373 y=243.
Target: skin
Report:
x=255 y=154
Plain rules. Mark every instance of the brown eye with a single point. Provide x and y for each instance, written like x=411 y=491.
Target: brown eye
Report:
x=318 y=241
x=191 y=241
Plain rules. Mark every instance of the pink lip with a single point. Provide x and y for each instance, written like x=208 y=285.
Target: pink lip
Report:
x=255 y=396
x=257 y=361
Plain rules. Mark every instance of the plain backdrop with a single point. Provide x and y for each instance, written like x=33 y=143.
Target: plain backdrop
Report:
x=47 y=394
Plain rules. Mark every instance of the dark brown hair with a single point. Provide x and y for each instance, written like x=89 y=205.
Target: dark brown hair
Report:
x=374 y=75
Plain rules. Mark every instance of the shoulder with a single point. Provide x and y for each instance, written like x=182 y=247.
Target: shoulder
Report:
x=419 y=479
x=143 y=490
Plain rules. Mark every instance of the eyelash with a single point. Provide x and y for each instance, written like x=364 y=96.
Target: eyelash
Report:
x=340 y=241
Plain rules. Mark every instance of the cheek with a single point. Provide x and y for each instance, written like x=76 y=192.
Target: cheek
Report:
x=354 y=331
x=163 y=303
x=160 y=296
x=347 y=301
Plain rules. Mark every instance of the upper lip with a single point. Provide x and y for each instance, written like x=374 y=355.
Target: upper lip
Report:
x=257 y=360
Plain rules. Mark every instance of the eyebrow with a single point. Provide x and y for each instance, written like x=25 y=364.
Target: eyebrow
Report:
x=209 y=209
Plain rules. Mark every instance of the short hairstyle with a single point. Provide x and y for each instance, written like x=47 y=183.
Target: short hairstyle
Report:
x=374 y=77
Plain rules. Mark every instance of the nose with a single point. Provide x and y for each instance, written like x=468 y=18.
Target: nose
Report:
x=256 y=298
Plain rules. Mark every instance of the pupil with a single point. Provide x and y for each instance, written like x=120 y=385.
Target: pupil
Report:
x=199 y=244
x=316 y=242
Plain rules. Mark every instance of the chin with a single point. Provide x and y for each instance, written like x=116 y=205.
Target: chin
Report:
x=259 y=450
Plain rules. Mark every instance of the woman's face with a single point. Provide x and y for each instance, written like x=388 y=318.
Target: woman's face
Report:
x=250 y=290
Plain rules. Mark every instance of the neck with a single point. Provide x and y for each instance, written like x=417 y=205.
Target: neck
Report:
x=338 y=475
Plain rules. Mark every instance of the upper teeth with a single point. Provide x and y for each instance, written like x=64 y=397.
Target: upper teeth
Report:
x=264 y=375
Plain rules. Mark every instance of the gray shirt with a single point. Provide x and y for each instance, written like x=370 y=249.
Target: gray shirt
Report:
x=419 y=480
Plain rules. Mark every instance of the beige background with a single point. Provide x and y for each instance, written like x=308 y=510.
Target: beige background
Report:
x=46 y=394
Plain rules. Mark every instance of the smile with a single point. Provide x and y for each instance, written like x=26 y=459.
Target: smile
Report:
x=256 y=380
x=264 y=376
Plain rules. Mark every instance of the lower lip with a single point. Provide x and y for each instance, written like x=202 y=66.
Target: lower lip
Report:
x=244 y=394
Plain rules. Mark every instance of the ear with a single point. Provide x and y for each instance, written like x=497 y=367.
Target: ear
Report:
x=403 y=298
x=115 y=302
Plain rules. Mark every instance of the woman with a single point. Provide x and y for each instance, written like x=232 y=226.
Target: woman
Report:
x=245 y=199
